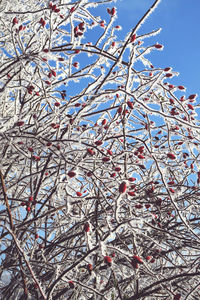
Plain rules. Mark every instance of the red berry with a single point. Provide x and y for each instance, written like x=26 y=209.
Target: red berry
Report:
x=15 y=21
x=147 y=205
x=131 y=194
x=55 y=126
x=36 y=236
x=171 y=101
x=54 y=73
x=113 y=175
x=102 y=24
x=167 y=69
x=89 y=267
x=168 y=75
x=190 y=106
x=72 y=9
x=71 y=174
x=57 y=104
x=141 y=149
x=122 y=187
x=193 y=96
x=148 y=257
x=105 y=159
x=30 y=149
x=20 y=123
x=42 y=22
x=98 y=143
x=119 y=110
x=35 y=157
x=130 y=104
x=131 y=179
x=109 y=152
x=81 y=26
x=117 y=169
x=137 y=259
x=113 y=11
x=142 y=167
x=107 y=259
x=171 y=156
x=104 y=122
x=79 y=194
x=138 y=206
x=76 y=29
x=133 y=37
x=28 y=208
x=181 y=87
x=171 y=182
x=158 y=46
x=31 y=87
x=75 y=65
x=90 y=151
x=132 y=186
x=89 y=174
x=30 y=198
x=86 y=227
x=53 y=7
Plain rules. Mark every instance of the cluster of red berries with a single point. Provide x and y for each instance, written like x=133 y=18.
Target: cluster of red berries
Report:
x=54 y=7
x=78 y=30
x=29 y=203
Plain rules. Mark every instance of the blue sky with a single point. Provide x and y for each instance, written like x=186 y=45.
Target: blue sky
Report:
x=180 y=23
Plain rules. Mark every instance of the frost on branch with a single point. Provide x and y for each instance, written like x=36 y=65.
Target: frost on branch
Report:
x=99 y=159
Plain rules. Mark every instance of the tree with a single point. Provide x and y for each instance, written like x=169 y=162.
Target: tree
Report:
x=99 y=160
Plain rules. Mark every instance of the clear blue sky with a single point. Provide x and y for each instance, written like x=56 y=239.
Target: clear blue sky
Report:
x=180 y=35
